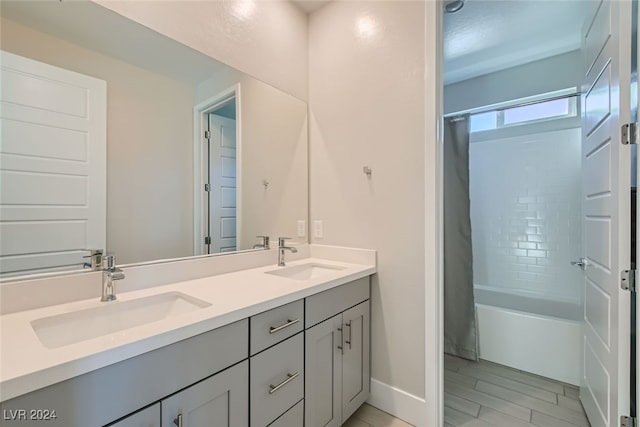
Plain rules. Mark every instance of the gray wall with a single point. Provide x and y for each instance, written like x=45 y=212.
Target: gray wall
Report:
x=546 y=75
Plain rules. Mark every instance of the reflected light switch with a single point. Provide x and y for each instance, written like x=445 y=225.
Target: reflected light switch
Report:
x=302 y=228
x=317 y=229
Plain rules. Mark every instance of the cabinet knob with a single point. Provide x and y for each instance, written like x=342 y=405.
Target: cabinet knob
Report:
x=178 y=420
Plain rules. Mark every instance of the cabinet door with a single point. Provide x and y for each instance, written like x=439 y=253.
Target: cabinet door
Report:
x=149 y=417
x=323 y=374
x=219 y=401
x=355 y=359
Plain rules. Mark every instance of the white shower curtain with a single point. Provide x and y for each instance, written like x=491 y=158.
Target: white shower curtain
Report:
x=460 y=332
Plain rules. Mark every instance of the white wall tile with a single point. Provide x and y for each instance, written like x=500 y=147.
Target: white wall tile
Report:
x=525 y=213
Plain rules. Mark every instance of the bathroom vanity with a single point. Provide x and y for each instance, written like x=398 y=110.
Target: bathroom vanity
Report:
x=266 y=346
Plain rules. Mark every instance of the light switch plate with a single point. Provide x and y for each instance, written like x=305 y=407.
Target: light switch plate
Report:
x=302 y=228
x=317 y=229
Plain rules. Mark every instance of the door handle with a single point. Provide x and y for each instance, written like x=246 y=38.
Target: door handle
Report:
x=582 y=263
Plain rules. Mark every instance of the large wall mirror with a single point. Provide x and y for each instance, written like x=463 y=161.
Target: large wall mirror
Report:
x=200 y=158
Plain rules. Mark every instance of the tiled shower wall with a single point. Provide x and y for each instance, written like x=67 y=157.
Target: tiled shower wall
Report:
x=525 y=196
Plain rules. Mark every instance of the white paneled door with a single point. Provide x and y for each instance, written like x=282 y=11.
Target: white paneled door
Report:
x=222 y=179
x=606 y=212
x=52 y=166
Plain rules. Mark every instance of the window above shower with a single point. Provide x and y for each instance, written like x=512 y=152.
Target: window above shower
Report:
x=551 y=108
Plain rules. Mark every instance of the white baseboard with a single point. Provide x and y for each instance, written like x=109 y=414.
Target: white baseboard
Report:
x=398 y=403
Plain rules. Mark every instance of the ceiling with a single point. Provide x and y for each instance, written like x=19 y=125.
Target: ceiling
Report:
x=310 y=6
x=490 y=35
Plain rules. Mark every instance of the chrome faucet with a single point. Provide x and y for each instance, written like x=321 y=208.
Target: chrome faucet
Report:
x=110 y=273
x=264 y=244
x=282 y=248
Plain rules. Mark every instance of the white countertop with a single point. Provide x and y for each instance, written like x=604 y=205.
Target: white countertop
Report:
x=27 y=365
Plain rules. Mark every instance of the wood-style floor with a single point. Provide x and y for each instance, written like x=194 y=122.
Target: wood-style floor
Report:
x=368 y=416
x=484 y=394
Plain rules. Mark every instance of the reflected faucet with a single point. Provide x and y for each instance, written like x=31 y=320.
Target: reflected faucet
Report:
x=96 y=260
x=282 y=248
x=110 y=273
x=265 y=243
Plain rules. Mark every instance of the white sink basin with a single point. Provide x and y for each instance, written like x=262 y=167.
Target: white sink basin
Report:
x=305 y=271
x=110 y=317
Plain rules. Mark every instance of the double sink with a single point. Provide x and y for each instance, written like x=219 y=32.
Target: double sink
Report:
x=77 y=326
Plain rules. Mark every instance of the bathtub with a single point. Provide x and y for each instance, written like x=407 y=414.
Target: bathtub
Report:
x=531 y=334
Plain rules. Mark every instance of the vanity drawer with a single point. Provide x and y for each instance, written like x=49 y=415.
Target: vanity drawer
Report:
x=294 y=417
x=275 y=325
x=276 y=380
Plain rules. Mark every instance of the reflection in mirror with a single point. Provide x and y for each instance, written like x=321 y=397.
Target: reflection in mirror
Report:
x=116 y=137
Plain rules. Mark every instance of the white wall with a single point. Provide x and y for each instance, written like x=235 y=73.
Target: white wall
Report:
x=265 y=39
x=369 y=94
x=149 y=152
x=525 y=213
x=546 y=75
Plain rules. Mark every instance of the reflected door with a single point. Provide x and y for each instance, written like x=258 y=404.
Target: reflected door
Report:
x=52 y=166
x=606 y=213
x=222 y=184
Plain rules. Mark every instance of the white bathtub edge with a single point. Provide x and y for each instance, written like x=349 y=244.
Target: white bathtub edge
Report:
x=541 y=345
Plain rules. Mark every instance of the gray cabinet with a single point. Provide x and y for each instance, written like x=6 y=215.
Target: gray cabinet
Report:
x=294 y=417
x=271 y=327
x=219 y=401
x=277 y=380
x=102 y=396
x=337 y=357
x=149 y=417
x=264 y=370
x=323 y=383
x=355 y=358
x=277 y=363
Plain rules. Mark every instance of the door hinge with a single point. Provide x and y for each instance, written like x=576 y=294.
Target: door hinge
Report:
x=628 y=280
x=207 y=134
x=207 y=187
x=207 y=240
x=628 y=421
x=629 y=134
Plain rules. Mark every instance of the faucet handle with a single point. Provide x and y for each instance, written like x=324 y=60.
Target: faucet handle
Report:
x=109 y=262
x=281 y=241
x=265 y=241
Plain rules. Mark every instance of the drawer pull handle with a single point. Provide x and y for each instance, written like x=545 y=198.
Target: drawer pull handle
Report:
x=290 y=377
x=274 y=329
x=178 y=421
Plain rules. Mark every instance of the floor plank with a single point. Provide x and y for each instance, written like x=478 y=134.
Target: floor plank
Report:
x=499 y=419
x=463 y=405
x=369 y=416
x=533 y=403
x=518 y=386
x=490 y=401
x=500 y=396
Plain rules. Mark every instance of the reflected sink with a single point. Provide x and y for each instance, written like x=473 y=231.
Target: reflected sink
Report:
x=305 y=271
x=70 y=328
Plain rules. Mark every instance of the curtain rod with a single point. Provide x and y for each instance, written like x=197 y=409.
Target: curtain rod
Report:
x=480 y=110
